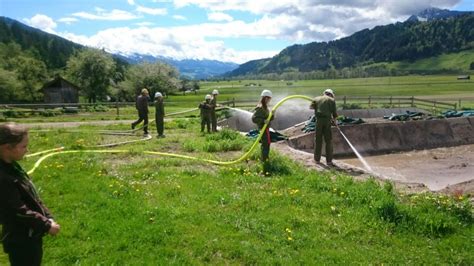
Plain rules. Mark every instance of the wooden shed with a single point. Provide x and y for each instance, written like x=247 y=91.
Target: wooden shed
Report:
x=60 y=90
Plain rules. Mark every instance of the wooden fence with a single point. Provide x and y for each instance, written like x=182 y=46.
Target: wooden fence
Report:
x=433 y=106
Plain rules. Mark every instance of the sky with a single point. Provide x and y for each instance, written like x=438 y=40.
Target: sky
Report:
x=225 y=30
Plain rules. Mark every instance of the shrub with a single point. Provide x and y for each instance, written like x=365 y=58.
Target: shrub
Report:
x=349 y=106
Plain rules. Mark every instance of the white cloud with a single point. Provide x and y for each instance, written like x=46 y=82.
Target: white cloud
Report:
x=320 y=20
x=68 y=20
x=102 y=14
x=131 y=2
x=219 y=16
x=179 y=17
x=152 y=11
x=42 y=22
x=165 y=42
x=144 y=24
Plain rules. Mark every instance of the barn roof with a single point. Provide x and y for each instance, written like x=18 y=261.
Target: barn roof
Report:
x=59 y=81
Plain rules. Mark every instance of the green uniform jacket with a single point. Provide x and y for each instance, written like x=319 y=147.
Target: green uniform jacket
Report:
x=205 y=109
x=324 y=106
x=260 y=115
x=159 y=108
x=213 y=104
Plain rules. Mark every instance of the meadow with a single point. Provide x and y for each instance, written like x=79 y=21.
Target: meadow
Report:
x=136 y=209
x=247 y=92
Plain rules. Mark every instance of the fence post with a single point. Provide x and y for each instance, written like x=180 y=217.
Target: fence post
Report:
x=369 y=100
x=390 y=101
x=233 y=102
x=117 y=107
x=412 y=101
x=344 y=100
x=459 y=104
x=455 y=106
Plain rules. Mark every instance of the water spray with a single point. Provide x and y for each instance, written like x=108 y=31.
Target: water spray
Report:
x=364 y=162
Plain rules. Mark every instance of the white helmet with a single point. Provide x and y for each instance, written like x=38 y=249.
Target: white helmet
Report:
x=329 y=91
x=215 y=92
x=266 y=93
x=208 y=97
x=158 y=94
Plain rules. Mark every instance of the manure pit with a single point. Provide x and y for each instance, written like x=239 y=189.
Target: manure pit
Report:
x=436 y=153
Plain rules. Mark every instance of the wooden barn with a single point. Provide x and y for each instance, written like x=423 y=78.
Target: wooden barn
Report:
x=60 y=90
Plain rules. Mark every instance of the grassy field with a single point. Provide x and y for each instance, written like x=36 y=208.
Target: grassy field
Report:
x=440 y=88
x=456 y=61
x=135 y=209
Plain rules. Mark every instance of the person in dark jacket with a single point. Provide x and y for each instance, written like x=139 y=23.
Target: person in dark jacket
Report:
x=213 y=110
x=205 y=108
x=325 y=112
x=159 y=114
x=259 y=117
x=24 y=217
x=142 y=108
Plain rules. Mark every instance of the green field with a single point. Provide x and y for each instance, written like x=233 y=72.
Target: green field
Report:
x=135 y=209
x=440 y=88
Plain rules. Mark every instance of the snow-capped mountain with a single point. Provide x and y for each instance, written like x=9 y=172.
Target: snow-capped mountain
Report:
x=190 y=68
x=436 y=13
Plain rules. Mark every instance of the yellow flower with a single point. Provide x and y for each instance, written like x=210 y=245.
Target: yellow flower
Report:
x=460 y=197
x=290 y=238
x=333 y=208
x=342 y=193
x=288 y=230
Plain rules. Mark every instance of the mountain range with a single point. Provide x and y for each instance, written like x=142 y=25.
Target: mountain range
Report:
x=189 y=68
x=55 y=51
x=429 y=33
x=439 y=32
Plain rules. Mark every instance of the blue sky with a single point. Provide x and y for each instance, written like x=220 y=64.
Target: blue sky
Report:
x=224 y=30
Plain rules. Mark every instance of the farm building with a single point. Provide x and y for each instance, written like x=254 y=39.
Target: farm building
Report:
x=60 y=90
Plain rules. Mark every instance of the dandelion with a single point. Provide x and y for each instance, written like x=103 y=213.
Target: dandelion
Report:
x=288 y=230
x=333 y=208
x=342 y=193
x=290 y=238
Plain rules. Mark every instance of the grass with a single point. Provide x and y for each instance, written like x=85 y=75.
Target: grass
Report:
x=441 y=88
x=132 y=209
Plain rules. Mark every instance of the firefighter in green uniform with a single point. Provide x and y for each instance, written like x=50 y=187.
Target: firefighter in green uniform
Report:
x=159 y=114
x=213 y=110
x=325 y=113
x=259 y=117
x=205 y=108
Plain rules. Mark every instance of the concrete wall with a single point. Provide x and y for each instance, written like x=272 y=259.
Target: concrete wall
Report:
x=394 y=136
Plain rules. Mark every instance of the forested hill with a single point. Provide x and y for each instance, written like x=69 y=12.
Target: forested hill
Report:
x=410 y=40
x=49 y=48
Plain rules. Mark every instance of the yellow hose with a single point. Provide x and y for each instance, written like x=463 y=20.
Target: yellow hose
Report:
x=242 y=158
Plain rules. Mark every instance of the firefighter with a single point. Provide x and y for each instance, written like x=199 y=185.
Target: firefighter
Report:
x=142 y=107
x=213 y=110
x=325 y=112
x=205 y=108
x=159 y=114
x=260 y=115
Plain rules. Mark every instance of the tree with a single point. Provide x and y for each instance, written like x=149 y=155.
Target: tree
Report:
x=32 y=74
x=472 y=66
x=92 y=70
x=156 y=77
x=8 y=86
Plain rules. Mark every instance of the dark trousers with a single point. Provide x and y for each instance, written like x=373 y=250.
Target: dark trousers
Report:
x=25 y=254
x=214 y=121
x=206 y=121
x=142 y=117
x=265 y=147
x=323 y=130
x=159 y=120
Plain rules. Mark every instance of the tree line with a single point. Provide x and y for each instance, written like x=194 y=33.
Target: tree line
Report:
x=98 y=75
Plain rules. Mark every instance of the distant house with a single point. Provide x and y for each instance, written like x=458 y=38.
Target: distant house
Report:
x=464 y=77
x=60 y=90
